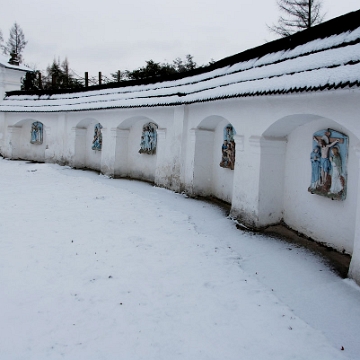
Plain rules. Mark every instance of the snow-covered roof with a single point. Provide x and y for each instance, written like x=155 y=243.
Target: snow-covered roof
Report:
x=4 y=62
x=321 y=58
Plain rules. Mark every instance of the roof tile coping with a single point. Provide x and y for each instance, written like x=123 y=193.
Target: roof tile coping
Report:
x=336 y=26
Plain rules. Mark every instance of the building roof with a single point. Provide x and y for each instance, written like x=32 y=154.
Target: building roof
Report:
x=4 y=62
x=324 y=57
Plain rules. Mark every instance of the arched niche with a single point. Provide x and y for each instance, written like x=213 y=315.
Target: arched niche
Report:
x=211 y=176
x=85 y=155
x=28 y=140
x=129 y=160
x=285 y=176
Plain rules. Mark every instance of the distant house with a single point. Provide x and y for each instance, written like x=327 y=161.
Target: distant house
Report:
x=10 y=75
x=274 y=131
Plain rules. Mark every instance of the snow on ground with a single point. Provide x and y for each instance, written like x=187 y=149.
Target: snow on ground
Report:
x=96 y=268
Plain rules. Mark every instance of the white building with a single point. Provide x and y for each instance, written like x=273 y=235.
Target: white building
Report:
x=276 y=97
x=10 y=75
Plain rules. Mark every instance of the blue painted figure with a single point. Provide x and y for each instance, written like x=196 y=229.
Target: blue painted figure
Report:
x=228 y=148
x=97 y=141
x=328 y=165
x=148 y=139
x=36 y=133
x=315 y=167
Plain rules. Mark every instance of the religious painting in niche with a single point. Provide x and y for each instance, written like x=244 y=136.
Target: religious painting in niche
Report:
x=228 y=148
x=329 y=164
x=97 y=141
x=148 y=139
x=37 y=132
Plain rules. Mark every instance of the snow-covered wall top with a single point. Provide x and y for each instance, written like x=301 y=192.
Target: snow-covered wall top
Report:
x=324 y=57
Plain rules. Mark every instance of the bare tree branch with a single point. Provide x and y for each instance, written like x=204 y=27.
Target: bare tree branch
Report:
x=16 y=42
x=298 y=15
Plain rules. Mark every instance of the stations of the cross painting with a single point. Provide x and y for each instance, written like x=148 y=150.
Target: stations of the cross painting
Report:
x=328 y=138
x=328 y=161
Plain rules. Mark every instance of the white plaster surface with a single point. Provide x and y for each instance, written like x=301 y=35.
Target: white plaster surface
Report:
x=272 y=171
x=10 y=77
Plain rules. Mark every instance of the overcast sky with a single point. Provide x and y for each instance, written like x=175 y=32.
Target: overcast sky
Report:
x=111 y=35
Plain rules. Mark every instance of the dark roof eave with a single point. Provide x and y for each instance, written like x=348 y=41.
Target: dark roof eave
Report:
x=296 y=90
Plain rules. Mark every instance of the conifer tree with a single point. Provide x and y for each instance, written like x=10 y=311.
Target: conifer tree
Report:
x=16 y=43
x=154 y=69
x=180 y=66
x=58 y=76
x=298 y=15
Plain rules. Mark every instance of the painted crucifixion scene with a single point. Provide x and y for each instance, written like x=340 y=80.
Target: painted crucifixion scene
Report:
x=329 y=164
x=228 y=148
x=148 y=139
x=36 y=133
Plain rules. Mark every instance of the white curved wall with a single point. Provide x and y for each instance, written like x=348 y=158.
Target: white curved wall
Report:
x=272 y=169
x=320 y=218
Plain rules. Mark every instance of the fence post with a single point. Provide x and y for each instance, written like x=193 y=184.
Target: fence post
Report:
x=40 y=81
x=118 y=76
x=53 y=81
x=99 y=77
x=86 y=79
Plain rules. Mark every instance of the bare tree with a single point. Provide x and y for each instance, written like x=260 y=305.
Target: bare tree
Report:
x=2 y=47
x=298 y=15
x=16 y=43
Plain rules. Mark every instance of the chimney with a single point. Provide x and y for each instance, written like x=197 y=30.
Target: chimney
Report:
x=14 y=60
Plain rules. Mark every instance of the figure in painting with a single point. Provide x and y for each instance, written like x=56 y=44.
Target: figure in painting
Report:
x=229 y=133
x=228 y=148
x=97 y=140
x=336 y=178
x=315 y=167
x=36 y=133
x=328 y=173
x=148 y=139
x=324 y=161
x=224 y=152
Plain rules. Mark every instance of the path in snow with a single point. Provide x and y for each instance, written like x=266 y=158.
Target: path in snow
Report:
x=94 y=268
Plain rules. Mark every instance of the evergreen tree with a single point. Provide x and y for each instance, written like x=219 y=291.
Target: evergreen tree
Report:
x=53 y=79
x=118 y=76
x=154 y=69
x=298 y=15
x=16 y=43
x=181 y=66
x=30 y=81
x=58 y=76
x=190 y=64
x=151 y=70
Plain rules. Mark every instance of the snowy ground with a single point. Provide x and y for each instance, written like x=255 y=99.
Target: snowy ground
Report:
x=94 y=268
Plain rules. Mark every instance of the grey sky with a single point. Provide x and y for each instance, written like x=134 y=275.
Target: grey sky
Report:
x=111 y=35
